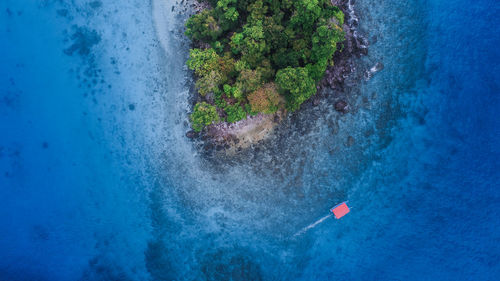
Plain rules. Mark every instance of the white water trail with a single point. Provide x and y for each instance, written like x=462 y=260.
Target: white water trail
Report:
x=312 y=225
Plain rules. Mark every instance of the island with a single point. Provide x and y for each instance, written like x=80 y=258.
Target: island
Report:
x=256 y=60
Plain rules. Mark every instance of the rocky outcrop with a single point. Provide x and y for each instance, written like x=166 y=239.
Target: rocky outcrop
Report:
x=244 y=133
x=192 y=134
x=354 y=46
x=342 y=106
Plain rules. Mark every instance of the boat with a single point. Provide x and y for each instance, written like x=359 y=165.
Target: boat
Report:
x=340 y=210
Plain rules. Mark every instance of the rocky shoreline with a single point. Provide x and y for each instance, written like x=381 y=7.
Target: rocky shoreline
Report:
x=244 y=133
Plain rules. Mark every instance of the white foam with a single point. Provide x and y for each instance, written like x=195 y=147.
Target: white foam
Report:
x=312 y=225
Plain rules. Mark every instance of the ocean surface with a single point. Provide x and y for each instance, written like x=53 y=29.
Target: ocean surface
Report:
x=99 y=182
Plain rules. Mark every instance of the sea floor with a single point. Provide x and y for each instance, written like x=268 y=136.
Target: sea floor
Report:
x=99 y=182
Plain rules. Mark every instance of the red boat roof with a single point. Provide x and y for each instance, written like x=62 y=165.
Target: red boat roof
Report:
x=340 y=210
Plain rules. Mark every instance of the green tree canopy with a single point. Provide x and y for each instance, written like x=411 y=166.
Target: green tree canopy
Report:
x=297 y=85
x=203 y=26
x=203 y=115
x=262 y=52
x=203 y=61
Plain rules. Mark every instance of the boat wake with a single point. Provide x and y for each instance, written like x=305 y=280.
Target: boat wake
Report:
x=312 y=225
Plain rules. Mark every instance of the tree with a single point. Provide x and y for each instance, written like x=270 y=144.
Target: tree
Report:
x=203 y=61
x=232 y=92
x=206 y=64
x=237 y=42
x=212 y=69
x=227 y=66
x=227 y=13
x=257 y=11
x=203 y=115
x=266 y=70
x=324 y=42
x=249 y=80
x=263 y=54
x=273 y=31
x=203 y=27
x=306 y=14
x=296 y=84
x=317 y=70
x=266 y=99
x=254 y=46
x=234 y=113
x=209 y=83
x=339 y=15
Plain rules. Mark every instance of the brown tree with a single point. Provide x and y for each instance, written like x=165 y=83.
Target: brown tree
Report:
x=265 y=99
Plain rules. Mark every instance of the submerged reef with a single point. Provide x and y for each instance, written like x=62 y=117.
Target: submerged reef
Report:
x=256 y=60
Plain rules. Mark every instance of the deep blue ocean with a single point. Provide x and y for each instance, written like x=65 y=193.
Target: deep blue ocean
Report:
x=99 y=182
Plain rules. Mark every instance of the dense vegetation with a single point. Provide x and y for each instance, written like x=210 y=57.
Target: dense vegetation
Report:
x=260 y=55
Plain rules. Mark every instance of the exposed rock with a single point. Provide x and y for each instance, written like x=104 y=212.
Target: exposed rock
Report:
x=191 y=134
x=245 y=132
x=201 y=45
x=342 y=106
x=209 y=147
x=353 y=46
x=316 y=101
x=200 y=5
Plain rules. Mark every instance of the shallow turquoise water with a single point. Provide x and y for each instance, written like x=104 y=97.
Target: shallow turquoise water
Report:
x=98 y=181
